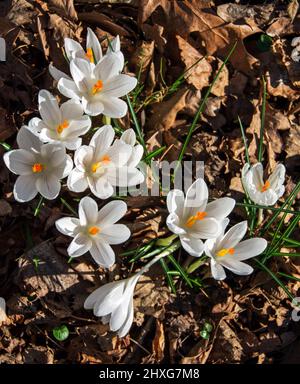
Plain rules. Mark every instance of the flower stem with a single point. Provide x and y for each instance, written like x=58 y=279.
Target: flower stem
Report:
x=260 y=216
x=106 y=120
x=168 y=251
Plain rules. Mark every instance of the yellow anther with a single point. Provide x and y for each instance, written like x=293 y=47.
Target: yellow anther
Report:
x=90 y=55
x=266 y=186
x=225 y=251
x=97 y=87
x=94 y=230
x=62 y=126
x=37 y=167
x=192 y=219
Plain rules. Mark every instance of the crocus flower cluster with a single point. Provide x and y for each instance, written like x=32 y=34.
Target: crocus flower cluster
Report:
x=94 y=87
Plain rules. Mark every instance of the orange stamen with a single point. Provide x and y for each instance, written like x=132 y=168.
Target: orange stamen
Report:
x=90 y=55
x=94 y=230
x=37 y=167
x=225 y=251
x=192 y=219
x=266 y=186
x=62 y=126
x=97 y=87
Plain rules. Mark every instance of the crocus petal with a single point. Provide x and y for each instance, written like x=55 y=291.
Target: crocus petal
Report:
x=277 y=179
x=234 y=235
x=102 y=140
x=49 y=109
x=114 y=107
x=105 y=305
x=120 y=314
x=106 y=69
x=28 y=140
x=237 y=267
x=111 y=213
x=128 y=322
x=88 y=211
x=194 y=247
x=77 y=181
x=35 y=125
x=57 y=74
x=48 y=186
x=118 y=86
x=136 y=156
x=71 y=110
x=129 y=137
x=115 y=234
x=83 y=156
x=24 y=188
x=72 y=47
x=77 y=128
x=119 y=153
x=101 y=187
x=99 y=294
x=92 y=107
x=217 y=271
x=19 y=161
x=220 y=208
x=67 y=225
x=68 y=88
x=174 y=225
x=102 y=253
x=196 y=198
x=54 y=154
x=175 y=201
x=249 y=248
x=79 y=245
x=206 y=229
x=80 y=71
x=93 y=42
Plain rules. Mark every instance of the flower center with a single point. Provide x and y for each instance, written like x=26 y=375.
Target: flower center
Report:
x=62 y=126
x=104 y=160
x=192 y=219
x=225 y=251
x=97 y=87
x=37 y=167
x=94 y=230
x=90 y=55
x=266 y=186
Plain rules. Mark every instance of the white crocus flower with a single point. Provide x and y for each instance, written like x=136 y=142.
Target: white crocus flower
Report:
x=40 y=166
x=92 y=53
x=102 y=166
x=94 y=231
x=60 y=124
x=113 y=302
x=193 y=219
x=129 y=137
x=98 y=87
x=263 y=193
x=228 y=251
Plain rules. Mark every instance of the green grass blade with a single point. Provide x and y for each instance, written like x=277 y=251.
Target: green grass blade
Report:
x=202 y=106
x=245 y=140
x=136 y=124
x=154 y=153
x=275 y=278
x=262 y=122
x=297 y=213
x=168 y=275
x=180 y=270
x=68 y=206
